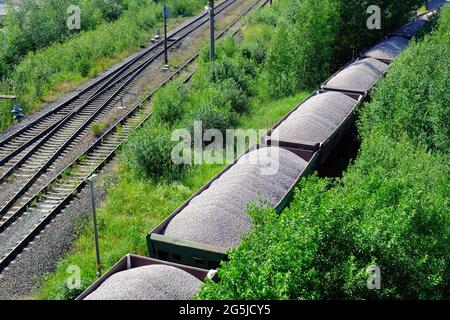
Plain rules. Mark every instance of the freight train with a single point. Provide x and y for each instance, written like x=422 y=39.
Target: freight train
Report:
x=195 y=238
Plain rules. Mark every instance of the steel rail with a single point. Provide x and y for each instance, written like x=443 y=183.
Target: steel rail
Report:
x=131 y=76
x=107 y=79
x=91 y=149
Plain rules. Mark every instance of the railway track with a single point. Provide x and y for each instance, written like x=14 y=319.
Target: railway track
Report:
x=15 y=148
x=18 y=141
x=27 y=213
x=22 y=169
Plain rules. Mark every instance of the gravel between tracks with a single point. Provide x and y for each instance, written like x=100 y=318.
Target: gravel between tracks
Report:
x=18 y=280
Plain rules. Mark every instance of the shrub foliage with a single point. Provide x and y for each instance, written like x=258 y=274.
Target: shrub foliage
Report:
x=39 y=55
x=390 y=208
x=419 y=104
x=321 y=247
x=149 y=153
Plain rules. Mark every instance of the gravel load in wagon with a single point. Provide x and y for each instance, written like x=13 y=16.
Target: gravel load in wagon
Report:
x=388 y=49
x=153 y=282
x=409 y=30
x=218 y=216
x=434 y=4
x=359 y=76
x=316 y=119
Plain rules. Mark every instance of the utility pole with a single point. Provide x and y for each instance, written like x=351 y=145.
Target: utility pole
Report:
x=91 y=180
x=166 y=13
x=211 y=26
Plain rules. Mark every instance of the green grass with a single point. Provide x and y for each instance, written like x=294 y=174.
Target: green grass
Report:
x=422 y=9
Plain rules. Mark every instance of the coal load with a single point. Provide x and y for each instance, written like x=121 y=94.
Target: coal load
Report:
x=153 y=282
x=218 y=216
x=316 y=119
x=359 y=76
x=388 y=49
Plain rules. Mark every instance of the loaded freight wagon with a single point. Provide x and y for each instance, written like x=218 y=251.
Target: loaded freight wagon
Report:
x=316 y=126
x=141 y=278
x=200 y=232
x=320 y=122
x=388 y=49
x=435 y=4
x=357 y=77
x=409 y=30
x=305 y=137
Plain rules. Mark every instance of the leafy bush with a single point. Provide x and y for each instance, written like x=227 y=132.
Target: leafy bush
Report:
x=37 y=24
x=110 y=9
x=404 y=223
x=211 y=117
x=391 y=209
x=282 y=78
x=184 y=8
x=267 y=15
x=229 y=76
x=255 y=50
x=231 y=92
x=223 y=69
x=98 y=128
x=169 y=103
x=209 y=107
x=148 y=153
x=301 y=52
x=353 y=34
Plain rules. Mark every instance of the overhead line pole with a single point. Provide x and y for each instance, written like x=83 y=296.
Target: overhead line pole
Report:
x=211 y=26
x=166 y=12
x=5 y=97
x=91 y=180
